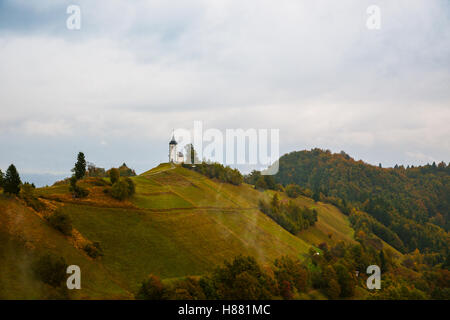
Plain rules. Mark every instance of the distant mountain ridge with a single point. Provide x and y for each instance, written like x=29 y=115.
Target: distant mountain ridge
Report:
x=42 y=179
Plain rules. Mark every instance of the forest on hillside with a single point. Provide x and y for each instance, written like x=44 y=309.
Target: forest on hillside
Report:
x=406 y=207
x=329 y=267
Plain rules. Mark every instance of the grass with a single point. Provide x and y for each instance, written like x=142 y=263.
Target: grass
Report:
x=331 y=226
x=192 y=187
x=175 y=244
x=164 y=200
x=331 y=222
x=25 y=236
x=178 y=223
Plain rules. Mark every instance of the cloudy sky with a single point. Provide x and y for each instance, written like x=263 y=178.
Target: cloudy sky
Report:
x=136 y=69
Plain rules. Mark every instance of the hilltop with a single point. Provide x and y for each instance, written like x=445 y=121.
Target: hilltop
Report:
x=179 y=223
x=408 y=207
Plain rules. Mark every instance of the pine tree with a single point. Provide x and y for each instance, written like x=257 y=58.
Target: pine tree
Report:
x=1 y=179
x=11 y=183
x=80 y=166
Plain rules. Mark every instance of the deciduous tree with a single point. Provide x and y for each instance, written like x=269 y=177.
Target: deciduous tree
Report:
x=114 y=175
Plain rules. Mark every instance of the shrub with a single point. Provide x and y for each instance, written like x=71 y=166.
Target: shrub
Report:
x=27 y=194
x=252 y=177
x=261 y=184
x=293 y=190
x=93 y=250
x=151 y=289
x=26 y=190
x=122 y=189
x=81 y=192
x=307 y=192
x=114 y=175
x=35 y=204
x=61 y=222
x=96 y=181
x=51 y=270
x=186 y=289
x=131 y=187
x=77 y=191
x=217 y=171
x=265 y=182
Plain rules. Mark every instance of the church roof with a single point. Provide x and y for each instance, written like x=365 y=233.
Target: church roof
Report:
x=173 y=141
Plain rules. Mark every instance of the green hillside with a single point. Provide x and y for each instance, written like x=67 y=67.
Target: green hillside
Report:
x=409 y=206
x=178 y=223
x=24 y=236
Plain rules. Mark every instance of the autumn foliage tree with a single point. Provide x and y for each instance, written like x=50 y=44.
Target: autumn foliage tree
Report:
x=293 y=190
x=114 y=175
x=151 y=289
x=409 y=205
x=289 y=215
x=122 y=189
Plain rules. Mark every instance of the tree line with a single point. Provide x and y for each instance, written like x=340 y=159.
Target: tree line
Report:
x=217 y=171
x=290 y=216
x=333 y=272
x=411 y=202
x=122 y=187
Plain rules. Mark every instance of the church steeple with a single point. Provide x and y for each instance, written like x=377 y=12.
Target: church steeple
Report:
x=173 y=149
x=173 y=141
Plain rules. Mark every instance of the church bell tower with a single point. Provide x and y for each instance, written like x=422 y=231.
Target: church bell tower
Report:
x=173 y=150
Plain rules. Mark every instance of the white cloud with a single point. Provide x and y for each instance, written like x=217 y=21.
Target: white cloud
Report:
x=420 y=156
x=312 y=69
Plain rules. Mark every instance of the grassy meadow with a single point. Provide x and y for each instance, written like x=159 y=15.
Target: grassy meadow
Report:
x=178 y=223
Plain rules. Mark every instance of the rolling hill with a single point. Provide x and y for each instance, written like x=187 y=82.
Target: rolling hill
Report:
x=179 y=223
x=410 y=206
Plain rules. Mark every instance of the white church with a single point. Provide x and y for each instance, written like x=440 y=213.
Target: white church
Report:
x=174 y=155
